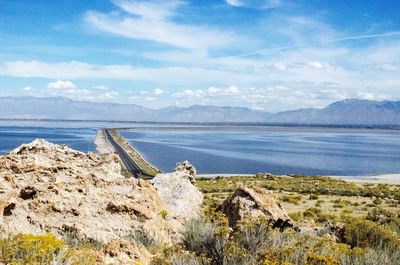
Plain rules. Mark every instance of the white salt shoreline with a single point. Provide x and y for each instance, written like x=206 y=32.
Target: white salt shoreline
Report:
x=382 y=178
x=102 y=145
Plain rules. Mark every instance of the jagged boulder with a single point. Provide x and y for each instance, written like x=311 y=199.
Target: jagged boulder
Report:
x=248 y=203
x=187 y=168
x=178 y=192
x=51 y=188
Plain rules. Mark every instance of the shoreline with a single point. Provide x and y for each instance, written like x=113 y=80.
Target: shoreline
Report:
x=102 y=145
x=373 y=179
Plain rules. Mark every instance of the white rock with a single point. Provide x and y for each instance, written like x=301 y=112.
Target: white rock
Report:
x=178 y=192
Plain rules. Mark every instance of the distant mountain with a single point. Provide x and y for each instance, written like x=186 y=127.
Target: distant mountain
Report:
x=346 y=112
x=200 y=113
x=63 y=108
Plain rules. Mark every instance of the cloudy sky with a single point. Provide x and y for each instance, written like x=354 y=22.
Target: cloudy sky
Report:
x=270 y=55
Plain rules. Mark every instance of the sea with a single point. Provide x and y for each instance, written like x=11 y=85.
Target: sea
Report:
x=232 y=149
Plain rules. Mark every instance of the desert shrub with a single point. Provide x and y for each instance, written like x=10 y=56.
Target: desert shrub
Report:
x=313 y=197
x=314 y=259
x=74 y=241
x=142 y=238
x=347 y=211
x=204 y=237
x=173 y=256
x=30 y=249
x=359 y=256
x=209 y=242
x=236 y=254
x=76 y=256
x=253 y=236
x=296 y=216
x=389 y=219
x=367 y=234
x=311 y=213
x=340 y=203
x=377 y=201
x=294 y=199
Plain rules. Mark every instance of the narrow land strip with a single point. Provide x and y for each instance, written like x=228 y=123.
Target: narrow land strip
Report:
x=102 y=145
x=109 y=139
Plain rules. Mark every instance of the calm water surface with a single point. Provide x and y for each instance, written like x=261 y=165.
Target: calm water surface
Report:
x=77 y=138
x=236 y=150
x=280 y=151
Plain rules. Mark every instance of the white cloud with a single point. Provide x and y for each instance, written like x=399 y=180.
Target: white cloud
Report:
x=199 y=93
x=27 y=88
x=68 y=89
x=372 y=96
x=163 y=76
x=152 y=20
x=213 y=90
x=265 y=4
x=232 y=90
x=387 y=67
x=158 y=91
x=101 y=87
x=109 y=95
x=60 y=84
x=315 y=64
x=184 y=93
x=280 y=66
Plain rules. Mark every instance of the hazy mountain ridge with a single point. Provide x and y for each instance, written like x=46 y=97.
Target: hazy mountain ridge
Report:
x=350 y=111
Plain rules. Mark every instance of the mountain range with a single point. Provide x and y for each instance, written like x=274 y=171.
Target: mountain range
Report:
x=345 y=112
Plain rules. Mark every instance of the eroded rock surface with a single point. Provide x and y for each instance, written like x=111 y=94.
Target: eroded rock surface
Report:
x=254 y=203
x=187 y=168
x=51 y=188
x=178 y=192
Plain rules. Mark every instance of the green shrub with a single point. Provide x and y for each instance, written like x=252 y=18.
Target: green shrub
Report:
x=340 y=203
x=294 y=199
x=313 y=197
x=311 y=213
x=389 y=219
x=367 y=234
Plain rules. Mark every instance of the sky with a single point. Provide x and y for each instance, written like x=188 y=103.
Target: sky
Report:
x=270 y=55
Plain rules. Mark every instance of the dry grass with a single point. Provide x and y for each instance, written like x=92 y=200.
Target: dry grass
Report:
x=297 y=194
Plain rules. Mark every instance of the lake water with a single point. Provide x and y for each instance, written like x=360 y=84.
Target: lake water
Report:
x=77 y=138
x=276 y=150
x=236 y=150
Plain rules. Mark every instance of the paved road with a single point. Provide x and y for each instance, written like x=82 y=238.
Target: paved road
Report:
x=130 y=165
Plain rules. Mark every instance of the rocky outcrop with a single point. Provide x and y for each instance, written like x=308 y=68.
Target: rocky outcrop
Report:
x=121 y=251
x=187 y=168
x=178 y=192
x=51 y=188
x=248 y=203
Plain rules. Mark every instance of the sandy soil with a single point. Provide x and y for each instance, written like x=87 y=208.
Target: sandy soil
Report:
x=102 y=145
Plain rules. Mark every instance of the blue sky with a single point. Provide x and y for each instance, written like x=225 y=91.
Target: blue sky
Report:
x=269 y=55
